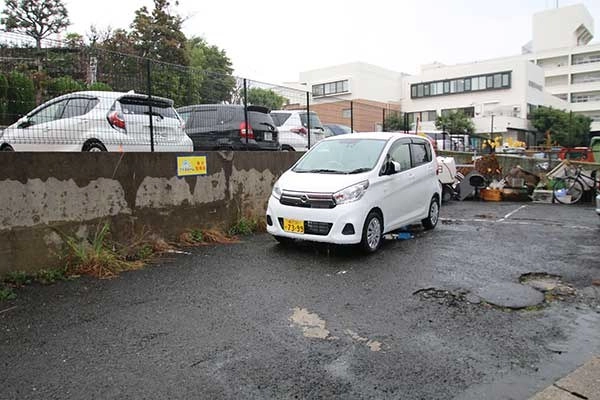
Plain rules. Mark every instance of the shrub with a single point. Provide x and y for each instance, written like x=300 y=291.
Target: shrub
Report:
x=63 y=85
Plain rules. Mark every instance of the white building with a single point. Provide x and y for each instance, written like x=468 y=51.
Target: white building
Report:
x=571 y=65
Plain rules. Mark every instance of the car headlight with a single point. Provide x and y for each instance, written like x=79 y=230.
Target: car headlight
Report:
x=351 y=193
x=276 y=191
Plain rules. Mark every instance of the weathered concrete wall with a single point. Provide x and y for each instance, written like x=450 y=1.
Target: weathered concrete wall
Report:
x=46 y=193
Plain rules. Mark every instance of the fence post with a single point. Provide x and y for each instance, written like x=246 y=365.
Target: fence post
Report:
x=150 y=106
x=351 y=116
x=308 y=116
x=383 y=120
x=247 y=127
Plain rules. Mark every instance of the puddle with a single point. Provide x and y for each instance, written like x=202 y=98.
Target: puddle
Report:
x=374 y=345
x=311 y=324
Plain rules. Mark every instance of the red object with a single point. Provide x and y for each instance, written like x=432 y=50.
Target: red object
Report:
x=300 y=131
x=576 y=154
x=116 y=119
x=249 y=133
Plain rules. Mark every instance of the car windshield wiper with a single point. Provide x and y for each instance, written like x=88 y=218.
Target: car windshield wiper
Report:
x=268 y=124
x=155 y=114
x=319 y=171
x=358 y=171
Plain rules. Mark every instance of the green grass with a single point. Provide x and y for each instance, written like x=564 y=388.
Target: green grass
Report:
x=7 y=293
x=243 y=227
x=197 y=235
x=18 y=278
x=48 y=276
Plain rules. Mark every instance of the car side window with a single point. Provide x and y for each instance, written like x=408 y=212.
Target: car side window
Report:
x=50 y=113
x=76 y=107
x=400 y=153
x=420 y=153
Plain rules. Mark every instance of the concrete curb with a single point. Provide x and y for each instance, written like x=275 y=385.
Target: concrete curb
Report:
x=583 y=383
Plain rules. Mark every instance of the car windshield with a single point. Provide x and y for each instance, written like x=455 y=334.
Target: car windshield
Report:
x=342 y=156
x=315 y=122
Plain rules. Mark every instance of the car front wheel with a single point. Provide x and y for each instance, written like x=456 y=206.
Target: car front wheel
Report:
x=372 y=235
x=93 y=147
x=434 y=214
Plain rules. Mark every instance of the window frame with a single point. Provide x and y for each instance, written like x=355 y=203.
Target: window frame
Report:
x=474 y=83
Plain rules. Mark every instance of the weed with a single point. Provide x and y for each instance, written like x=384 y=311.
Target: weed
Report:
x=94 y=257
x=6 y=293
x=216 y=236
x=196 y=235
x=18 y=278
x=47 y=276
x=145 y=252
x=244 y=227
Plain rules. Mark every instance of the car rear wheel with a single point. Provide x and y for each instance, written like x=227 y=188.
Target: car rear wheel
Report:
x=93 y=147
x=434 y=214
x=7 y=147
x=372 y=235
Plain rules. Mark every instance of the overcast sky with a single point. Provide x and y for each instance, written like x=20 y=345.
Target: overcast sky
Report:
x=273 y=40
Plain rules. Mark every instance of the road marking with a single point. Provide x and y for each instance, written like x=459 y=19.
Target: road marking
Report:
x=510 y=214
x=312 y=325
x=548 y=223
x=374 y=345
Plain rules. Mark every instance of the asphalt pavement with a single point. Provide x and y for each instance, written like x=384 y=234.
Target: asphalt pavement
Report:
x=257 y=320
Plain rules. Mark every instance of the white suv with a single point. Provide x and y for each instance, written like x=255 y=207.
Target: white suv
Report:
x=293 y=129
x=98 y=121
x=352 y=189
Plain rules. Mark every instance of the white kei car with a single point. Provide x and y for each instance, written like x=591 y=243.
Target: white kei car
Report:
x=98 y=121
x=352 y=189
x=293 y=129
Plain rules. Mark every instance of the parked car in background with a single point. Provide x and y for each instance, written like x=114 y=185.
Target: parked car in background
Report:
x=98 y=121
x=598 y=205
x=352 y=189
x=223 y=126
x=339 y=129
x=293 y=129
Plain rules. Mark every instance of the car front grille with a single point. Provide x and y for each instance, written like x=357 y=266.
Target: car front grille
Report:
x=313 y=227
x=307 y=200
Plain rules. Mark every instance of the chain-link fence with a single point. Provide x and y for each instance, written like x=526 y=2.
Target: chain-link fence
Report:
x=68 y=96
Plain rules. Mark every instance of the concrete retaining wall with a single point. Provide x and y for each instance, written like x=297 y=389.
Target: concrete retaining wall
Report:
x=46 y=193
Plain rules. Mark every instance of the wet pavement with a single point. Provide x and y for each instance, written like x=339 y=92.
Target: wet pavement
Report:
x=257 y=320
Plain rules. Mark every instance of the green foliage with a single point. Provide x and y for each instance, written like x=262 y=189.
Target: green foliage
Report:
x=7 y=293
x=213 y=70
x=197 y=235
x=48 y=276
x=566 y=129
x=20 y=96
x=37 y=19
x=63 y=85
x=455 y=123
x=145 y=252
x=395 y=121
x=18 y=278
x=243 y=227
x=266 y=98
x=100 y=86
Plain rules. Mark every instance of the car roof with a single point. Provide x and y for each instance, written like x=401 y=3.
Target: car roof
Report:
x=376 y=135
x=251 y=108
x=291 y=111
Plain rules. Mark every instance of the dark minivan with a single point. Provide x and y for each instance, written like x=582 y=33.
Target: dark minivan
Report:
x=223 y=126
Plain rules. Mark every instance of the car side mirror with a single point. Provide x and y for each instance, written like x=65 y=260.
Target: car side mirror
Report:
x=23 y=122
x=392 y=167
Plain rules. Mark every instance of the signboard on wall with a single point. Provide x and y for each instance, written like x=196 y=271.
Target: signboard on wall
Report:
x=191 y=165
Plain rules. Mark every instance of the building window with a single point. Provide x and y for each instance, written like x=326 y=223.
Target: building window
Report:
x=326 y=89
x=530 y=109
x=347 y=113
x=588 y=58
x=468 y=111
x=501 y=80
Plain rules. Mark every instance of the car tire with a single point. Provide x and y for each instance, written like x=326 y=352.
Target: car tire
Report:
x=7 y=147
x=447 y=193
x=372 y=234
x=93 y=147
x=433 y=216
x=285 y=241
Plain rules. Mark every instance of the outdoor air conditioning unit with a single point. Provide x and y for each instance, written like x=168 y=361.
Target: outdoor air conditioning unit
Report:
x=516 y=111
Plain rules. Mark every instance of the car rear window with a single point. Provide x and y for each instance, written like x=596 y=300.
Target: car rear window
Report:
x=315 y=122
x=280 y=118
x=256 y=119
x=141 y=106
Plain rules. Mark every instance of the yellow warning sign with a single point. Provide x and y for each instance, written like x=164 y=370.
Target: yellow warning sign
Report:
x=191 y=165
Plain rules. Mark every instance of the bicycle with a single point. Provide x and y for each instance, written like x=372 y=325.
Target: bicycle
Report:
x=569 y=189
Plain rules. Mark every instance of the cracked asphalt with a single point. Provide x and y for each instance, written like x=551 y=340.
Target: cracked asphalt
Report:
x=256 y=320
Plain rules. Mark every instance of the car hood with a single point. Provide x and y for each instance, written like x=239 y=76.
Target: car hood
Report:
x=318 y=183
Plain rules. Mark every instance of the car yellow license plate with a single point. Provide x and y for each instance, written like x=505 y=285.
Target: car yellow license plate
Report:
x=293 y=225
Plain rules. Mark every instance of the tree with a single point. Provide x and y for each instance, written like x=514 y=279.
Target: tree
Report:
x=37 y=19
x=266 y=98
x=63 y=85
x=158 y=34
x=213 y=68
x=395 y=121
x=565 y=129
x=20 y=95
x=455 y=123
